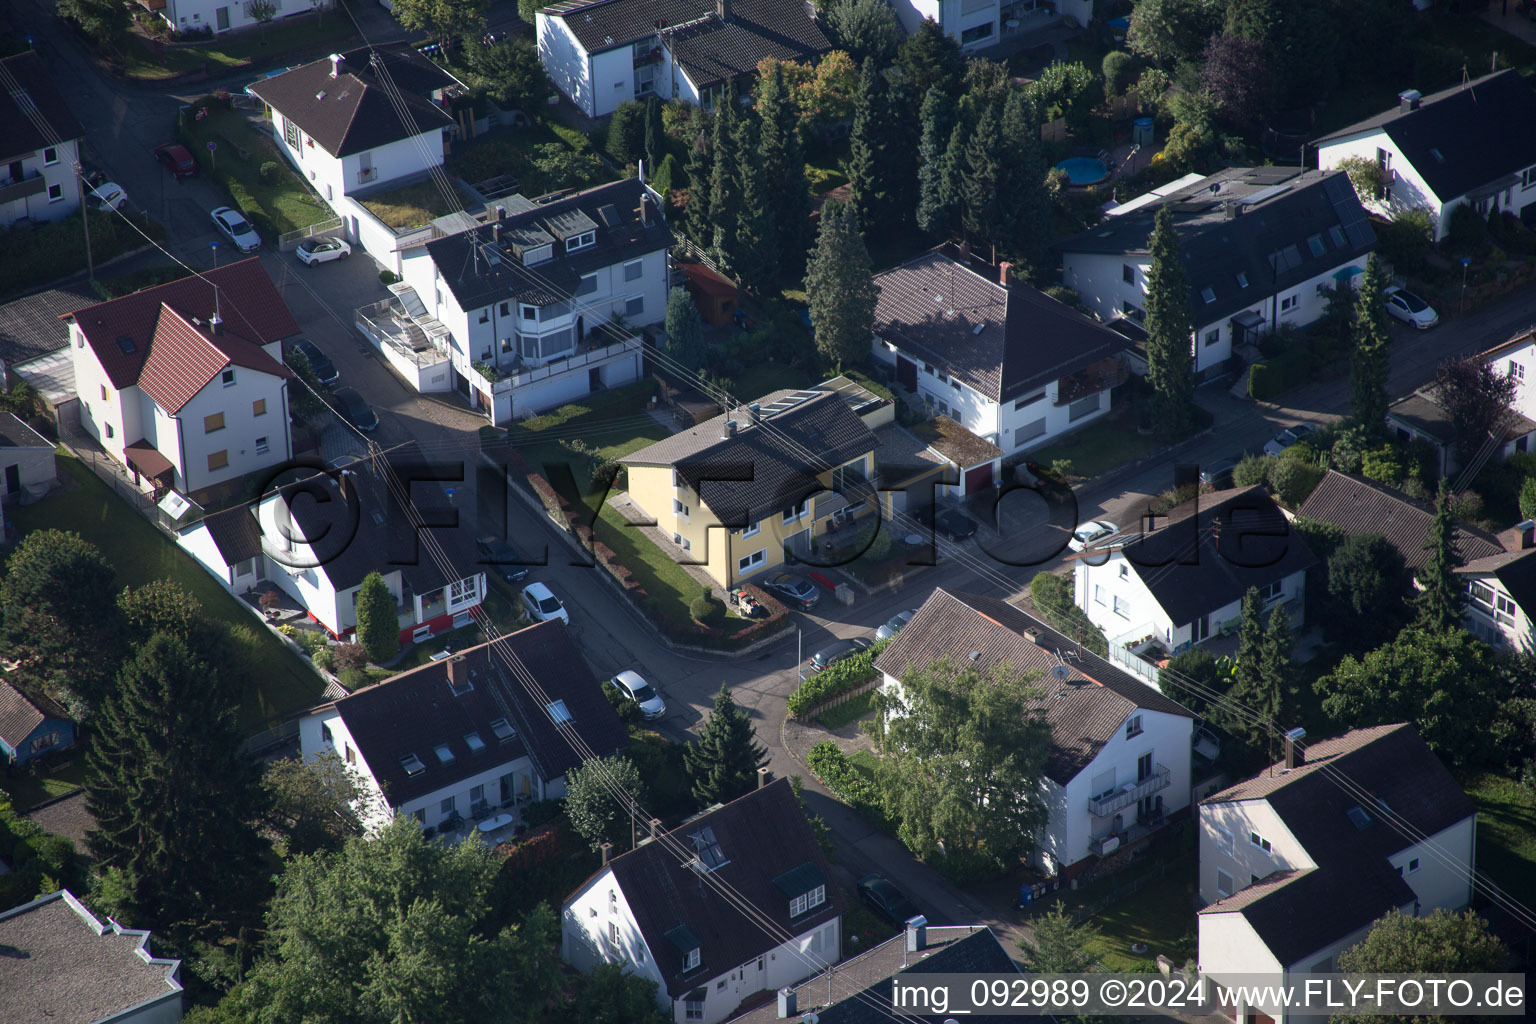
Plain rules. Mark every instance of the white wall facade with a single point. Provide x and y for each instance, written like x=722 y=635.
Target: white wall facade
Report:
x=223 y=15
x=372 y=808
x=1226 y=844
x=595 y=82
x=961 y=20
x=335 y=178
x=58 y=175
x=1438 y=869
x=1496 y=617
x=243 y=428
x=35 y=468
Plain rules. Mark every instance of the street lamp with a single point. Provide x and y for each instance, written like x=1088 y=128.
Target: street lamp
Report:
x=215 y=247
x=1463 y=307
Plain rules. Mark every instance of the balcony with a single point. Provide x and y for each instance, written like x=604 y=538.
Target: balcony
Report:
x=1140 y=652
x=25 y=188
x=1107 y=804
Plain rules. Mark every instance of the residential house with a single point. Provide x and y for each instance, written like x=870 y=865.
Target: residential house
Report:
x=30 y=728
x=316 y=539
x=465 y=739
x=1298 y=861
x=1182 y=583
x=184 y=383
x=974 y=24
x=1119 y=762
x=26 y=460
x=859 y=991
x=39 y=144
x=1002 y=359
x=601 y=53
x=1262 y=246
x=538 y=307
x=738 y=492
x=220 y=16
x=1501 y=593
x=733 y=902
x=1473 y=145
x=65 y=966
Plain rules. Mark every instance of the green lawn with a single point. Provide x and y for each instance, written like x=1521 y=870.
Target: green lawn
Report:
x=848 y=711
x=1162 y=915
x=1097 y=448
x=281 y=203
x=613 y=422
x=27 y=791
x=141 y=553
x=291 y=39
x=410 y=206
x=865 y=761
x=667 y=583
x=1506 y=834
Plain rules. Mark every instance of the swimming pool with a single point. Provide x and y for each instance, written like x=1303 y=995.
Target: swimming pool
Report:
x=1083 y=170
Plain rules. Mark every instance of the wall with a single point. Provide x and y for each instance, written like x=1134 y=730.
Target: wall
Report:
x=565 y=62
x=1408 y=191
x=613 y=79
x=98 y=413
x=1241 y=818
x=953 y=16
x=242 y=427
x=35 y=466
x=184 y=14
x=585 y=941
x=198 y=542
x=1435 y=882
x=1141 y=607
x=392 y=161
x=372 y=809
x=60 y=172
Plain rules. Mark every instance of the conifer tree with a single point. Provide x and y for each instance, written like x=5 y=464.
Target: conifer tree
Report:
x=1368 y=363
x=378 y=623
x=782 y=161
x=725 y=181
x=1170 y=327
x=1275 y=666
x=985 y=180
x=934 y=203
x=754 y=255
x=1438 y=604
x=723 y=762
x=685 y=329
x=882 y=158
x=863 y=159
x=655 y=138
x=839 y=281
x=1249 y=690
x=1025 y=191
x=698 y=221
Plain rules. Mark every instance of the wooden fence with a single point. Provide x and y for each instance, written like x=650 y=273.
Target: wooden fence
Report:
x=842 y=698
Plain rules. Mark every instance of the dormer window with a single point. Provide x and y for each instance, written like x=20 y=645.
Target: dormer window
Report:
x=412 y=765
x=503 y=730
x=807 y=902
x=805 y=887
x=687 y=945
x=581 y=241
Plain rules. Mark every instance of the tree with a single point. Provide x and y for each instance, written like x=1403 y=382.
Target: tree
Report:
x=1197 y=668
x=627 y=132
x=961 y=754
x=882 y=167
x=1275 y=671
x=511 y=72
x=685 y=329
x=1407 y=239
x=929 y=58
x=697 y=219
x=1236 y=74
x=1150 y=88
x=867 y=29
x=936 y=203
x=1441 y=941
x=1528 y=498
x=1057 y=946
x=165 y=606
x=725 y=180
x=1365 y=580
x=597 y=811
x=1064 y=90
x=1170 y=326
x=105 y=21
x=443 y=20
x=1171 y=32
x=655 y=138
x=378 y=623
x=400 y=928
x=1119 y=71
x=261 y=10
x=555 y=165
x=170 y=790
x=1250 y=688
x=754 y=253
x=1476 y=396
x=983 y=216
x=723 y=762
x=1026 y=197
x=1441 y=597
x=60 y=620
x=1368 y=178
x=1298 y=39
x=612 y=994
x=782 y=162
x=1368 y=366
x=840 y=284
x=1193 y=141
x=311 y=803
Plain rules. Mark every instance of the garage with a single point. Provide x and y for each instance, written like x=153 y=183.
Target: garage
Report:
x=978 y=477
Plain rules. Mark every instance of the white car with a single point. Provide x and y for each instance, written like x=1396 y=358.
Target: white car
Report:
x=1091 y=533
x=322 y=250
x=1409 y=308
x=632 y=685
x=1287 y=437
x=109 y=196
x=542 y=605
x=233 y=226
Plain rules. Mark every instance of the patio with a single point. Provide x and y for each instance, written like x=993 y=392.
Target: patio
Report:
x=493 y=824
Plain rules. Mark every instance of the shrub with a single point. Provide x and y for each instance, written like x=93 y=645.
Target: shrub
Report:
x=270 y=173
x=626 y=132
x=541 y=812
x=1528 y=498
x=354 y=678
x=847 y=675
x=1407 y=240
x=664 y=179
x=1293 y=479
x=349 y=656
x=628 y=711
x=1253 y=469
x=269 y=600
x=827 y=761
x=1382 y=465
x=323 y=659
x=1468 y=230
x=1119 y=70
x=388 y=277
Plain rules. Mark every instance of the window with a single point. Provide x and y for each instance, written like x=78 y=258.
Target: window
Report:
x=1098 y=594
x=110 y=431
x=613 y=932
x=1270 y=591
x=1212 y=337
x=485 y=315
x=419 y=815
x=815 y=898
x=580 y=241
x=261 y=446
x=586 y=286
x=290 y=133
x=528 y=312
x=720 y=985
x=1125 y=572
x=227 y=378
x=1289 y=303
x=1224 y=883
x=460 y=591
x=693 y=1009
x=1242 y=279
x=55 y=193
x=558 y=712
x=502 y=729
x=691 y=961
x=1224 y=841
x=1133 y=312
x=259 y=407
x=928 y=369
x=1133 y=726
x=1029 y=431
x=750 y=562
x=1528 y=180
x=105 y=397
x=634 y=270
x=505 y=310
x=447 y=805
x=421 y=633
x=1254 y=839
x=475 y=744
x=1413 y=865
x=1208 y=293
x=412 y=765
x=1315 y=243
x=753 y=530
x=1122 y=607
x=792 y=513
x=682 y=542
x=477 y=794
x=50 y=156
x=1128 y=273
x=349 y=754
x=444 y=754
x=1028 y=400
x=213 y=422
x=679 y=509
x=1516 y=370
x=218 y=460
x=976 y=34
x=634 y=306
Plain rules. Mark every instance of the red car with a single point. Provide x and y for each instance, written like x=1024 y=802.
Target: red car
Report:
x=176 y=159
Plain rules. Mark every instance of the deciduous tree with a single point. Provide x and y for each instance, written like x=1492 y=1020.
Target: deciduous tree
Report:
x=723 y=762
x=613 y=994
x=1441 y=941
x=105 y=21
x=444 y=20
x=311 y=804
x=1366 y=579
x=593 y=800
x=1236 y=74
x=867 y=29
x=1476 y=395
x=840 y=284
x=378 y=623
x=512 y=73
x=1173 y=31
x=1170 y=326
x=1368 y=367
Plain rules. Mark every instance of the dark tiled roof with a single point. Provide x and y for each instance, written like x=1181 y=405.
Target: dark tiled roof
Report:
x=1516 y=570
x=352 y=112
x=416 y=711
x=461 y=258
x=1244 y=540
x=18 y=715
x=1000 y=341
x=16 y=434
x=235 y=532
x=762 y=835
x=19 y=134
x=1284 y=216
x=900 y=456
x=712 y=52
x=1084 y=712
x=758 y=472
x=1463 y=137
x=31 y=327
x=1427 y=416
x=1359 y=506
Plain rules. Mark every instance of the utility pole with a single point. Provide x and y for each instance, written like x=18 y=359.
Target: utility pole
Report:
x=90 y=264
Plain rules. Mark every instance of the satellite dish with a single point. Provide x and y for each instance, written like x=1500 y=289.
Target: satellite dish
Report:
x=1061 y=672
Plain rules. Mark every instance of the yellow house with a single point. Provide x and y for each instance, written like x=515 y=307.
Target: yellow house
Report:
x=793 y=471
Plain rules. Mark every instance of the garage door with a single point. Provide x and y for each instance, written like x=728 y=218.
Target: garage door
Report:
x=978 y=478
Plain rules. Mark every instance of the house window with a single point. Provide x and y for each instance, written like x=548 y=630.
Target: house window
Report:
x=580 y=241
x=587 y=285
x=1083 y=407
x=528 y=312
x=1128 y=273
x=1098 y=594
x=1029 y=431
x=634 y=270
x=421 y=633
x=447 y=806
x=1315 y=244
x=558 y=712
x=1516 y=370
x=753 y=530
x=750 y=562
x=1254 y=839
x=1413 y=865
x=477 y=794
x=1028 y=400
x=1272 y=590
x=485 y=315
x=815 y=898
x=1122 y=607
x=1224 y=841
x=419 y=815
x=50 y=156
x=1133 y=726
x=227 y=378
x=691 y=961
x=350 y=756
x=259 y=407
x=1212 y=337
x=693 y=1009
x=213 y=422
x=1289 y=303
x=461 y=592
x=634 y=306
x=792 y=513
x=110 y=431
x=613 y=932
x=680 y=510
x=1224 y=883
x=682 y=542
x=261 y=446
x=218 y=460
x=290 y=133
x=325 y=734
x=55 y=193
x=1132 y=311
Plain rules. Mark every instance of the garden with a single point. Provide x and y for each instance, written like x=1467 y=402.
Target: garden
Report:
x=37 y=254
x=533 y=159
x=409 y=206
x=155 y=51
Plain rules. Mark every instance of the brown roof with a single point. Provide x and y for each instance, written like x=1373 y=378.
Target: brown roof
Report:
x=18 y=716
x=1358 y=506
x=1516 y=570
x=1085 y=710
x=701 y=277
x=146 y=458
x=956 y=443
x=19 y=135
x=900 y=456
x=1521 y=340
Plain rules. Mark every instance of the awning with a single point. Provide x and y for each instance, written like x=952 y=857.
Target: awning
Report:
x=1347 y=274
x=1248 y=318
x=143 y=457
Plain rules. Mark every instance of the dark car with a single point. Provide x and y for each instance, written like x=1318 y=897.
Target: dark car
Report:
x=176 y=159
x=887 y=901
x=794 y=590
x=837 y=650
x=351 y=405
x=947 y=522
x=325 y=370
x=1219 y=473
x=502 y=559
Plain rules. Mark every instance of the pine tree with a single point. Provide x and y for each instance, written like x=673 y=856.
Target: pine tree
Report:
x=863 y=143
x=755 y=255
x=723 y=762
x=171 y=792
x=1248 y=683
x=724 y=181
x=1438 y=604
x=655 y=138
x=985 y=177
x=933 y=203
x=1368 y=364
x=698 y=220
x=840 y=283
x=685 y=329
x=1275 y=666
x=782 y=160
x=882 y=157
x=378 y=623
x=1170 y=366
x=1025 y=191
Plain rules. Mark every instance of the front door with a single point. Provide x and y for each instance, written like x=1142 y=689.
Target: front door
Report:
x=906 y=373
x=221 y=18
x=1200 y=629
x=1143 y=767
x=595 y=379
x=12 y=479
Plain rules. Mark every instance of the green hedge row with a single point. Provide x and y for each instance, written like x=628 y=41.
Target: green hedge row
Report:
x=41 y=862
x=829 y=764
x=44 y=253
x=1278 y=375
x=848 y=674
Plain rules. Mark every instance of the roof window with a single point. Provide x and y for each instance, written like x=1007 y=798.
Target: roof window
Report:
x=1315 y=243
x=412 y=765
x=1439 y=156
x=1242 y=279
x=126 y=344
x=503 y=730
x=1208 y=293
x=558 y=712
x=1358 y=817
x=1337 y=234
x=707 y=851
x=473 y=741
x=444 y=754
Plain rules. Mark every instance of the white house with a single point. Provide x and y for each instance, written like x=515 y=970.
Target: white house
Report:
x=26 y=461
x=62 y=963
x=601 y=53
x=974 y=24
x=670 y=910
x=37 y=166
x=1473 y=144
x=316 y=539
x=1262 y=246
x=1004 y=360
x=1297 y=862
x=536 y=308
x=223 y=15
x=1181 y=583
x=1119 y=763
x=184 y=383
x=466 y=739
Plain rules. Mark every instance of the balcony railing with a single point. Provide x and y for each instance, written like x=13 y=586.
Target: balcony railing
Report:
x=1103 y=806
x=366 y=175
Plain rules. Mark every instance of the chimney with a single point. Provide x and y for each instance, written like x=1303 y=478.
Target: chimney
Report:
x=1002 y=273
x=1408 y=100
x=756 y=412
x=917 y=934
x=1034 y=634
x=1295 y=757
x=655 y=827
x=764 y=776
x=337 y=60
x=1527 y=534
x=501 y=213
x=496 y=232
x=729 y=431
x=344 y=482
x=723 y=9
x=607 y=852
x=645 y=208
x=787 y=1003
x=216 y=324
x=458 y=672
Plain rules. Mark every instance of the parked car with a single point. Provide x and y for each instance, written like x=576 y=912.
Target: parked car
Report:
x=794 y=590
x=837 y=650
x=357 y=412
x=110 y=196
x=893 y=626
x=881 y=895
x=313 y=251
x=1409 y=308
x=1219 y=473
x=176 y=159
x=1091 y=533
x=948 y=523
x=541 y=605
x=502 y=558
x=325 y=370
x=1287 y=437
x=233 y=225
x=631 y=685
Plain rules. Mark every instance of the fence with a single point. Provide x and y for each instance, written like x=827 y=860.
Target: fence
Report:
x=107 y=469
x=289 y=241
x=1123 y=892
x=842 y=698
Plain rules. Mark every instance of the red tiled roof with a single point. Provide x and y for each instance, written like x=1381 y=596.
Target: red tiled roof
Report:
x=253 y=314
x=184 y=357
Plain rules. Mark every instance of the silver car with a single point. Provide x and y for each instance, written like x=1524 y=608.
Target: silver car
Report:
x=233 y=226
x=893 y=626
x=632 y=685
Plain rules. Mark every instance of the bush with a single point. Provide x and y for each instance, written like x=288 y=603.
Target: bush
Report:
x=270 y=173
x=1528 y=498
x=1293 y=479
x=541 y=812
x=1119 y=69
x=354 y=679
x=706 y=609
x=829 y=764
x=628 y=711
x=1468 y=230
x=665 y=176
x=1279 y=374
x=1252 y=470
x=323 y=660
x=388 y=277
x=847 y=675
x=1407 y=240
x=349 y=656
x=626 y=132
x=1382 y=465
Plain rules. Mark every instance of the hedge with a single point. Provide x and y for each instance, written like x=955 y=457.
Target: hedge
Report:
x=1278 y=375
x=43 y=253
x=844 y=677
x=828 y=763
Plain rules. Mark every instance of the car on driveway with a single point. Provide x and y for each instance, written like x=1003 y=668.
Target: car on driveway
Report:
x=1218 y=474
x=1287 y=437
x=233 y=226
x=357 y=412
x=794 y=590
x=325 y=370
x=501 y=558
x=542 y=605
x=894 y=624
x=837 y=650
x=948 y=523
x=176 y=159
x=314 y=251
x=881 y=895
x=1091 y=533
x=1409 y=308
x=632 y=685
x=110 y=196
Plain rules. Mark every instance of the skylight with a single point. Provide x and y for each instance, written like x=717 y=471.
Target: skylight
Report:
x=412 y=765
x=1358 y=817
x=1208 y=293
x=444 y=754
x=1439 y=156
x=503 y=729
x=1337 y=234
x=1315 y=243
x=126 y=344
x=707 y=849
x=558 y=712
x=1242 y=279
x=473 y=741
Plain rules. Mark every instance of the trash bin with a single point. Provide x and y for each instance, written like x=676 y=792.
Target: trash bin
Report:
x=1142 y=131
